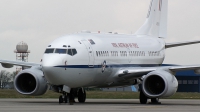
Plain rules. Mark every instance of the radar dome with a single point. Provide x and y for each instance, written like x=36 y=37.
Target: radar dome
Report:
x=22 y=47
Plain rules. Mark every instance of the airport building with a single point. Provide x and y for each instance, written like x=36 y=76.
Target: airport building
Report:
x=188 y=81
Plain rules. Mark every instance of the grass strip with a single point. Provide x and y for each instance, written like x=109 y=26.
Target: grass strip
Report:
x=10 y=93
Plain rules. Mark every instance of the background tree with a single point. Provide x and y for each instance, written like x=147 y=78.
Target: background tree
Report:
x=12 y=75
x=5 y=78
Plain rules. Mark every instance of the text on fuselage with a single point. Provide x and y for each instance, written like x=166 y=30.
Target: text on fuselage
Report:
x=125 y=45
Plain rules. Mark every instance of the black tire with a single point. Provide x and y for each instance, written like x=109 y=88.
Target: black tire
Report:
x=60 y=99
x=143 y=98
x=66 y=99
x=154 y=100
x=81 y=96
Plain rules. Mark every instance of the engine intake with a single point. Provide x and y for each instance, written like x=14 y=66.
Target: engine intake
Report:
x=159 y=84
x=30 y=82
x=155 y=85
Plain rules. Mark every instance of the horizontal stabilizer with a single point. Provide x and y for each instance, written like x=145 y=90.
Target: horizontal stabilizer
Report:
x=186 y=67
x=176 y=44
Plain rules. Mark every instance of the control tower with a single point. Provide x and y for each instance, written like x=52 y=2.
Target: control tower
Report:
x=22 y=53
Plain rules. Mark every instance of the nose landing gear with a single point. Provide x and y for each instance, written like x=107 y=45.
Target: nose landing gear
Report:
x=70 y=97
x=63 y=98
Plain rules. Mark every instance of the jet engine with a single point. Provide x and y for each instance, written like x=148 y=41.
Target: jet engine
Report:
x=30 y=82
x=159 y=83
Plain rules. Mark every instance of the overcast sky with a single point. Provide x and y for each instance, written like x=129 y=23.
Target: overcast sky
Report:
x=38 y=22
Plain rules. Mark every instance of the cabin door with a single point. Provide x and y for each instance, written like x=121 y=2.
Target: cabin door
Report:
x=90 y=52
x=129 y=55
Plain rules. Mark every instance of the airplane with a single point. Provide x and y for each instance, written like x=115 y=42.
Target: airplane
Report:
x=104 y=60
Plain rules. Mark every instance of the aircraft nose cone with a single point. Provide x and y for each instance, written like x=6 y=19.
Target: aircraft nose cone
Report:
x=50 y=69
x=52 y=60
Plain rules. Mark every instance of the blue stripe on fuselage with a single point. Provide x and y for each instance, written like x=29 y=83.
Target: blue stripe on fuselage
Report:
x=107 y=66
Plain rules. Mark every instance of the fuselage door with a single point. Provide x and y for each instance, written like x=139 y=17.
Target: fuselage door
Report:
x=129 y=55
x=90 y=52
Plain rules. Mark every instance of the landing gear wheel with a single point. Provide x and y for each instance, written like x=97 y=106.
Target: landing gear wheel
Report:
x=60 y=99
x=81 y=96
x=155 y=101
x=143 y=98
x=66 y=99
x=63 y=98
x=71 y=98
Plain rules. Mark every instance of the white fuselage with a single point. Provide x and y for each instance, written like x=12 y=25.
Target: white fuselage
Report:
x=93 y=59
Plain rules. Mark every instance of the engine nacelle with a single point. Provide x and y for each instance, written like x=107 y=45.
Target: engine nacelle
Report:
x=30 y=82
x=159 y=83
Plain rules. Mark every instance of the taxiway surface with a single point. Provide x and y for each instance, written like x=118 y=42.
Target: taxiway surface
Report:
x=98 y=105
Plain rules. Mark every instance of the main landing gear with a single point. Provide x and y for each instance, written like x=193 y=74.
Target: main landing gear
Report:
x=155 y=101
x=144 y=98
x=70 y=97
x=81 y=95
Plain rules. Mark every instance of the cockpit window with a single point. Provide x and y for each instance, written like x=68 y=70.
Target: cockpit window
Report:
x=61 y=51
x=49 y=51
x=72 y=52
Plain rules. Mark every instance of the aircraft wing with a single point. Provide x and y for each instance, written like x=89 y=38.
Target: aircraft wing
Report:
x=137 y=72
x=134 y=72
x=9 y=64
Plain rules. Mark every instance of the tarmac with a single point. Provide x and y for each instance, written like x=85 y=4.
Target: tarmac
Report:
x=98 y=105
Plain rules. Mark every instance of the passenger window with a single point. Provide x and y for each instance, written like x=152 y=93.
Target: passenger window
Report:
x=96 y=53
x=61 y=51
x=49 y=51
x=99 y=53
